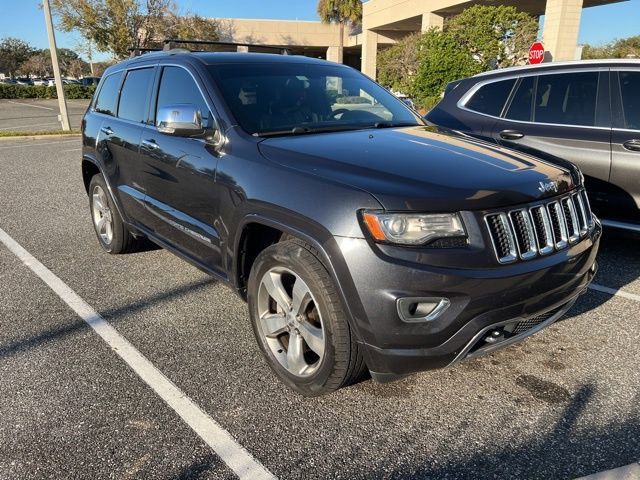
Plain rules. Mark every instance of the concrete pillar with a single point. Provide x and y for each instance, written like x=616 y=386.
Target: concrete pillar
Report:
x=561 y=28
x=369 y=53
x=430 y=20
x=333 y=54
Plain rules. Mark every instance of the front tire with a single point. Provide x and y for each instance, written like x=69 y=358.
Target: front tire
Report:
x=299 y=322
x=113 y=235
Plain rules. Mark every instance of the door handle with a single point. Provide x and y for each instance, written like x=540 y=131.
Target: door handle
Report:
x=633 y=145
x=150 y=144
x=511 y=134
x=107 y=130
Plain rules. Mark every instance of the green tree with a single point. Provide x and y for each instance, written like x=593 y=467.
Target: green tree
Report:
x=342 y=12
x=622 y=48
x=398 y=64
x=13 y=53
x=497 y=36
x=441 y=59
x=116 y=25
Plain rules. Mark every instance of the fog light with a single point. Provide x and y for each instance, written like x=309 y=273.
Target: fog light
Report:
x=414 y=310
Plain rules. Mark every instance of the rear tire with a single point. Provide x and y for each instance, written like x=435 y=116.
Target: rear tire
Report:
x=113 y=235
x=299 y=322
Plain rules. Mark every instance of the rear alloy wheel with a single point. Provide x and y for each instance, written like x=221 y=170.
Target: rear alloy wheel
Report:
x=102 y=216
x=112 y=233
x=298 y=320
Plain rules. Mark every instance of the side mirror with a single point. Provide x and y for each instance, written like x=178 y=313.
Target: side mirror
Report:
x=180 y=120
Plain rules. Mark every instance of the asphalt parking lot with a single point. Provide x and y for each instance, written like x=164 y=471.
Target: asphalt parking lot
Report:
x=37 y=115
x=564 y=404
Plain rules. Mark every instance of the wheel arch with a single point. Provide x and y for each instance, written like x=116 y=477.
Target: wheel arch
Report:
x=316 y=236
x=90 y=167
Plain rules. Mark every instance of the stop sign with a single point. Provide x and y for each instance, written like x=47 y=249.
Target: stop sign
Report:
x=536 y=53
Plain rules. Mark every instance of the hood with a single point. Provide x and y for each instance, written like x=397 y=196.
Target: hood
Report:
x=423 y=169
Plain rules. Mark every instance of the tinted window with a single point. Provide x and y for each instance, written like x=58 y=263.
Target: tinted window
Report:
x=177 y=86
x=520 y=108
x=106 y=101
x=490 y=98
x=630 y=87
x=133 y=97
x=267 y=98
x=568 y=99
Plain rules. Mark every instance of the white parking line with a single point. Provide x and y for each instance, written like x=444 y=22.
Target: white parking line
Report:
x=30 y=105
x=613 y=291
x=223 y=444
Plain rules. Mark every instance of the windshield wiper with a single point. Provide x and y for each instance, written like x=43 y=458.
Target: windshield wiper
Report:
x=394 y=124
x=308 y=130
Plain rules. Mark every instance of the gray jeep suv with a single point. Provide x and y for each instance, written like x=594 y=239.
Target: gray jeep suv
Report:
x=361 y=238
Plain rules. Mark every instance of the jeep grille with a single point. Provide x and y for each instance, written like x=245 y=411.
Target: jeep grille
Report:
x=527 y=233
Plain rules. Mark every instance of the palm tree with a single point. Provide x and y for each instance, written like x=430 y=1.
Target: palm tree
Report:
x=340 y=12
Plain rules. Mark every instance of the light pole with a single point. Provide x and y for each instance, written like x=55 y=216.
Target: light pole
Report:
x=62 y=101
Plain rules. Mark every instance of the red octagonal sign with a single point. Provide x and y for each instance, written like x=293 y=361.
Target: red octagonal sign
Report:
x=536 y=53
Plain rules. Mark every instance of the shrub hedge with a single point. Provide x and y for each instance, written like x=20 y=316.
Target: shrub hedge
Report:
x=13 y=91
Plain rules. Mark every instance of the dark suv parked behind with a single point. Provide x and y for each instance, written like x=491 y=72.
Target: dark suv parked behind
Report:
x=585 y=112
x=360 y=237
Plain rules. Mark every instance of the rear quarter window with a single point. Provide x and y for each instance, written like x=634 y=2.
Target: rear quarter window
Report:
x=630 y=89
x=490 y=98
x=106 y=101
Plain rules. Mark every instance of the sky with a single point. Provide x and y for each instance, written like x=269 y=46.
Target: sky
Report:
x=24 y=18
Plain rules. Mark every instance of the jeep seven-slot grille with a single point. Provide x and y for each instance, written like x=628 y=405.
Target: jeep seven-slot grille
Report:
x=526 y=233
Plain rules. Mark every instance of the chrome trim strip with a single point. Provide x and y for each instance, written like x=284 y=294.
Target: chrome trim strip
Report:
x=548 y=231
x=517 y=338
x=441 y=307
x=562 y=223
x=583 y=214
x=597 y=64
x=533 y=251
x=513 y=254
x=589 y=212
x=575 y=235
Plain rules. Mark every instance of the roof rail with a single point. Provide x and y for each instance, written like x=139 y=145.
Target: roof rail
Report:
x=137 y=51
x=170 y=44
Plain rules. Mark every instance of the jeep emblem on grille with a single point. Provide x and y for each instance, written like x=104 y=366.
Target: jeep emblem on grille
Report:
x=548 y=187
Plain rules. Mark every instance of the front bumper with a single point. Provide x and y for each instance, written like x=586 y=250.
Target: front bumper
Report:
x=480 y=299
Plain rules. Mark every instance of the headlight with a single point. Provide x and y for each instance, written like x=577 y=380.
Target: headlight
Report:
x=412 y=228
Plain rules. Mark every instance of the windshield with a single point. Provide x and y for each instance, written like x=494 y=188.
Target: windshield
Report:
x=296 y=98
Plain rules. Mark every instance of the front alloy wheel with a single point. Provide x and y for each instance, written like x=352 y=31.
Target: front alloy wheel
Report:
x=299 y=322
x=290 y=323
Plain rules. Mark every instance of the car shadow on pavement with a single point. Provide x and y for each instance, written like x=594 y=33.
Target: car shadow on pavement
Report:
x=53 y=334
x=568 y=451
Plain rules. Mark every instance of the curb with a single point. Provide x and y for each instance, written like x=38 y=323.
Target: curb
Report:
x=40 y=137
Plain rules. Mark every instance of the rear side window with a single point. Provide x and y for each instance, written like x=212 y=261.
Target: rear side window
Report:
x=520 y=108
x=108 y=96
x=567 y=99
x=178 y=86
x=630 y=88
x=490 y=98
x=133 y=97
